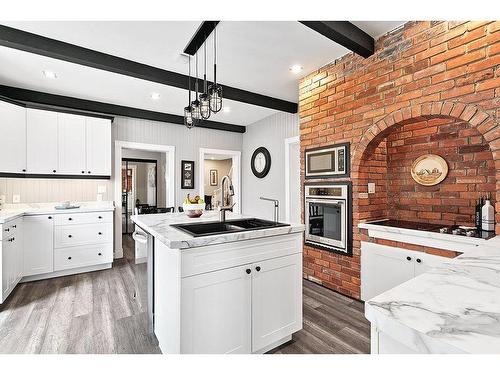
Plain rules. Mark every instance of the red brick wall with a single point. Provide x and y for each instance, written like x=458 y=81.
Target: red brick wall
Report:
x=421 y=72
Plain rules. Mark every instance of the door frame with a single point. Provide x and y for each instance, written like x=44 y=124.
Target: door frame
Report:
x=236 y=165
x=288 y=142
x=117 y=177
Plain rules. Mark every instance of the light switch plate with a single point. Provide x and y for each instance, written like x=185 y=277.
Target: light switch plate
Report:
x=101 y=189
x=16 y=198
x=371 y=187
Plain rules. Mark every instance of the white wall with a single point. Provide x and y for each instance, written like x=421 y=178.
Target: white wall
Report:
x=269 y=132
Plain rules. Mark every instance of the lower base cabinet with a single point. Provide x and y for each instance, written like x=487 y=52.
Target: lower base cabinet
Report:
x=11 y=256
x=242 y=309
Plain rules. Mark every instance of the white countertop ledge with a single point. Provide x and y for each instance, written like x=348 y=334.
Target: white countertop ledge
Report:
x=14 y=211
x=159 y=226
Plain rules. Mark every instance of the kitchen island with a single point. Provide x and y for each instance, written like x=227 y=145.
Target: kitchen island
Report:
x=452 y=308
x=225 y=293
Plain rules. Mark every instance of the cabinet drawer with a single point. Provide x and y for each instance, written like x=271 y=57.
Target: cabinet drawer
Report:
x=86 y=234
x=210 y=258
x=82 y=256
x=84 y=218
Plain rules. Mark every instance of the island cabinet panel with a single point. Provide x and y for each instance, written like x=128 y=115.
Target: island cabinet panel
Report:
x=217 y=312
x=276 y=300
x=385 y=267
x=38 y=244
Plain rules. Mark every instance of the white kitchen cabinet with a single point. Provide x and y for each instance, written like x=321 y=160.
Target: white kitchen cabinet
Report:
x=12 y=138
x=216 y=312
x=71 y=144
x=11 y=251
x=98 y=146
x=41 y=142
x=38 y=244
x=384 y=267
x=276 y=299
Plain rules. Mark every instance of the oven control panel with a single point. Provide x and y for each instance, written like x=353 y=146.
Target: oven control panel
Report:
x=326 y=191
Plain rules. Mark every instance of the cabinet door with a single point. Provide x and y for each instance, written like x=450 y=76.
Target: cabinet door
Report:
x=6 y=269
x=18 y=248
x=98 y=142
x=12 y=138
x=276 y=299
x=71 y=144
x=383 y=268
x=41 y=143
x=424 y=262
x=216 y=312
x=38 y=245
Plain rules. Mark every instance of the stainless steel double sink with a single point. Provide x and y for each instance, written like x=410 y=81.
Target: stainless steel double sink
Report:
x=229 y=226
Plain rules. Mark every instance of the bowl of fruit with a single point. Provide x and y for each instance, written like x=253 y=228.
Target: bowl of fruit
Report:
x=193 y=207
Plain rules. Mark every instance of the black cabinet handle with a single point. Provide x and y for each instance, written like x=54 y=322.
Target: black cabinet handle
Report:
x=100 y=233
x=24 y=170
x=54 y=170
x=99 y=254
x=248 y=271
x=419 y=260
x=408 y=258
x=89 y=172
x=100 y=217
x=257 y=268
x=13 y=239
x=70 y=236
x=83 y=171
x=14 y=226
x=7 y=229
x=50 y=217
x=70 y=218
x=69 y=258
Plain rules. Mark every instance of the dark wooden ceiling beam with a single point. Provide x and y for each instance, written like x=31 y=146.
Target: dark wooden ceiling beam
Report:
x=346 y=34
x=33 y=43
x=200 y=36
x=37 y=99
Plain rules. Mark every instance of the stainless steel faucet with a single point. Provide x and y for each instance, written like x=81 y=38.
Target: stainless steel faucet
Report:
x=276 y=207
x=223 y=208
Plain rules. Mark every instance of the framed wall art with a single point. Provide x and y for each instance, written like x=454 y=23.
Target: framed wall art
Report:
x=214 y=177
x=187 y=174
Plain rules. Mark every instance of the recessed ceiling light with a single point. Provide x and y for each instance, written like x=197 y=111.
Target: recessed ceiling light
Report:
x=49 y=74
x=296 y=69
x=226 y=109
x=155 y=96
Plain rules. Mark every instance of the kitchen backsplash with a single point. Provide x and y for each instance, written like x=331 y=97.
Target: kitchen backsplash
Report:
x=31 y=190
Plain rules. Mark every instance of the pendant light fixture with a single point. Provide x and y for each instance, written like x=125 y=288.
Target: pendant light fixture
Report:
x=188 y=113
x=215 y=90
x=204 y=97
x=195 y=104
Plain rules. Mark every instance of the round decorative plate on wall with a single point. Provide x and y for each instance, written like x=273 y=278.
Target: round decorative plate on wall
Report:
x=261 y=162
x=429 y=170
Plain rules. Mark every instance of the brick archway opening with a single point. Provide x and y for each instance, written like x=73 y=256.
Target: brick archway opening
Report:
x=466 y=136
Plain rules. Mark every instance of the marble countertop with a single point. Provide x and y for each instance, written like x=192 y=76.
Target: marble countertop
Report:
x=159 y=225
x=455 y=306
x=13 y=211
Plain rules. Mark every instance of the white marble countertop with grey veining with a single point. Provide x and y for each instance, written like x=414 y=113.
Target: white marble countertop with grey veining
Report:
x=453 y=308
x=159 y=226
x=14 y=211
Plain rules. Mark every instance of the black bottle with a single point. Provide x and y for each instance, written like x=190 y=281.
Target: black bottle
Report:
x=478 y=216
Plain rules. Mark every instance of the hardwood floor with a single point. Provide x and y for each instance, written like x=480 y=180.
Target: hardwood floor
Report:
x=105 y=312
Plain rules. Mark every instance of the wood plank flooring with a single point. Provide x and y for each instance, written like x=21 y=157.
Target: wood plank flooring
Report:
x=105 y=312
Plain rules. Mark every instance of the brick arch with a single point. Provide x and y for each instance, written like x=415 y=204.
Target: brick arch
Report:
x=470 y=113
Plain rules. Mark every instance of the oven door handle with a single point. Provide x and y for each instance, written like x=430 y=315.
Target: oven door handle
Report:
x=325 y=201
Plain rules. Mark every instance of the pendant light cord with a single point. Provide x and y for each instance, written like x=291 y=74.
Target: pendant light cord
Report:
x=196 y=84
x=215 y=56
x=189 y=79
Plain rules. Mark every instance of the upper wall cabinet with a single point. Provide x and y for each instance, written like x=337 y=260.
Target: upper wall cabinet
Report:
x=12 y=138
x=39 y=142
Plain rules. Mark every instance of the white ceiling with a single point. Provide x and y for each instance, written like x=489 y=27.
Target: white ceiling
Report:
x=252 y=55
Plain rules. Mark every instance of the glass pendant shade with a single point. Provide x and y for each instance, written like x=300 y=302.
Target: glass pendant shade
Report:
x=215 y=92
x=188 y=117
x=204 y=106
x=195 y=109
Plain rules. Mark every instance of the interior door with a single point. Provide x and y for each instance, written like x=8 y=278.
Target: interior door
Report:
x=41 y=142
x=216 y=312
x=98 y=145
x=38 y=245
x=12 y=138
x=71 y=144
x=276 y=299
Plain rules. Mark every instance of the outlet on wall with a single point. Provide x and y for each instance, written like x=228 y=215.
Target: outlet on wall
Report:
x=371 y=187
x=16 y=198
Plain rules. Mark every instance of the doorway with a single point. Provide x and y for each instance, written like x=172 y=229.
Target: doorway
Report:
x=292 y=180
x=139 y=188
x=215 y=164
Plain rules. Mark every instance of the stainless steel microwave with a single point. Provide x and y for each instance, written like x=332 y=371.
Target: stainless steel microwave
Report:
x=328 y=162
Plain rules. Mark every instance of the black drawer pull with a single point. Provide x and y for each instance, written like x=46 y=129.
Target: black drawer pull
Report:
x=54 y=170
x=69 y=235
x=248 y=271
x=14 y=226
x=83 y=171
x=257 y=268
x=100 y=217
x=89 y=172
x=408 y=258
x=100 y=233
x=7 y=229
x=70 y=218
x=50 y=218
x=24 y=170
x=99 y=254
x=69 y=258
x=419 y=260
